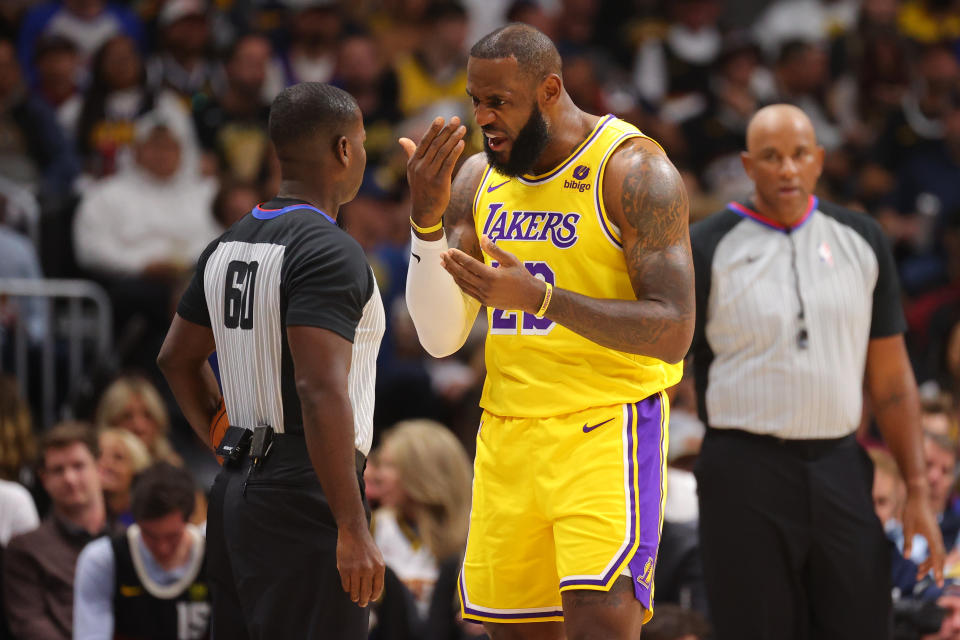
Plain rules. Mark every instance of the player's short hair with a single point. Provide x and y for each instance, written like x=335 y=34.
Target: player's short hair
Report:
x=160 y=490
x=309 y=109
x=535 y=52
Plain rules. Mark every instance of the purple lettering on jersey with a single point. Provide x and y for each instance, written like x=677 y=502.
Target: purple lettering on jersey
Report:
x=535 y=217
x=552 y=220
x=496 y=229
x=531 y=226
x=494 y=207
x=515 y=230
x=567 y=237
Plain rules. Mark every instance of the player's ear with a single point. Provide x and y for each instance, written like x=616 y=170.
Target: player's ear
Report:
x=550 y=89
x=343 y=150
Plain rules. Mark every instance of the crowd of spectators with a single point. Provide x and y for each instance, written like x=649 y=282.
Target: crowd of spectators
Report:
x=138 y=128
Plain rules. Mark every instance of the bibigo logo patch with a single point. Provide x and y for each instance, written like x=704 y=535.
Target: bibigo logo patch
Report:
x=580 y=174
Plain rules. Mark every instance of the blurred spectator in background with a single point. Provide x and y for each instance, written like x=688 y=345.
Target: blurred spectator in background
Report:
x=802 y=77
x=737 y=88
x=872 y=66
x=940 y=454
x=133 y=403
x=949 y=602
x=39 y=566
x=150 y=581
x=437 y=68
x=312 y=53
x=118 y=96
x=363 y=73
x=804 y=20
x=929 y=21
x=679 y=571
x=233 y=201
x=424 y=476
x=18 y=514
x=86 y=23
x=889 y=494
x=674 y=70
x=59 y=72
x=935 y=73
x=182 y=61
x=122 y=456
x=926 y=192
x=34 y=153
x=140 y=232
x=18 y=447
x=231 y=122
x=584 y=79
x=529 y=12
x=939 y=416
x=170 y=224
x=18 y=259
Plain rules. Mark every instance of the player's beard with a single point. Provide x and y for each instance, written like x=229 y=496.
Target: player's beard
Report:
x=525 y=149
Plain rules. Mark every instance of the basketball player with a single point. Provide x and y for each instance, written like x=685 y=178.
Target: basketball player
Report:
x=572 y=229
x=290 y=304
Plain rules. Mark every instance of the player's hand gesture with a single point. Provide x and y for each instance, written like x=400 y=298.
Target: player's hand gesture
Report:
x=430 y=169
x=507 y=286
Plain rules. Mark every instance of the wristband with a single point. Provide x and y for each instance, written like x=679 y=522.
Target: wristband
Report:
x=546 y=301
x=426 y=230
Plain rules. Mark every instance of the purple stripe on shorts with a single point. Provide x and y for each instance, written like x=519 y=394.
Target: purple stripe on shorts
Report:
x=651 y=432
x=468 y=610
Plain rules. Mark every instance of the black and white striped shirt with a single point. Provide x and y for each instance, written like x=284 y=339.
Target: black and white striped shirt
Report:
x=285 y=264
x=784 y=317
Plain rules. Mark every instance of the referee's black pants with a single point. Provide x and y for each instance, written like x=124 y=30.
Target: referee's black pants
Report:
x=271 y=554
x=791 y=546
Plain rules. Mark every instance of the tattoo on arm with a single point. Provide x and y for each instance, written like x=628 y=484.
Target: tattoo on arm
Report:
x=655 y=205
x=645 y=196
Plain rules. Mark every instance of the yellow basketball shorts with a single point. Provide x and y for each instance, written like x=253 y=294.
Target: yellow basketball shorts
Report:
x=566 y=502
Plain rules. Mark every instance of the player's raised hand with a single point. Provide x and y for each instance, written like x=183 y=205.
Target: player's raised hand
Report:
x=507 y=286
x=430 y=168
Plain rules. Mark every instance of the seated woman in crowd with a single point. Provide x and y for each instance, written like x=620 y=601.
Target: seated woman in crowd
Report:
x=134 y=404
x=424 y=479
x=122 y=456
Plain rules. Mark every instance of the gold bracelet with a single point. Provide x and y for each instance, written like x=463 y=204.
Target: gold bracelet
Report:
x=426 y=230
x=546 y=301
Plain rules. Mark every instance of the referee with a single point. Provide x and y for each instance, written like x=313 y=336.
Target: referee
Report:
x=796 y=300
x=289 y=302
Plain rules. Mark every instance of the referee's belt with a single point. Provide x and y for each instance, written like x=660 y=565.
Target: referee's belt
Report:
x=811 y=448
x=237 y=441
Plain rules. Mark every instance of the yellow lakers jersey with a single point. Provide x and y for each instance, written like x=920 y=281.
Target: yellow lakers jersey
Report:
x=556 y=224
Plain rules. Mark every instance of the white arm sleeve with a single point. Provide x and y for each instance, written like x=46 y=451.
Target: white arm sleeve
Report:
x=441 y=312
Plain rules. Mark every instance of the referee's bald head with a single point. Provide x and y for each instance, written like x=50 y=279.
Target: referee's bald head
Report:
x=309 y=113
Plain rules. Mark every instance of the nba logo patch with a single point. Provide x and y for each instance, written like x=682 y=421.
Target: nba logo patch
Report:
x=647 y=577
x=825 y=254
x=581 y=172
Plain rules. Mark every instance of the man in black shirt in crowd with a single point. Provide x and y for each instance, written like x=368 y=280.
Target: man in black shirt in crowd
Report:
x=149 y=582
x=289 y=302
